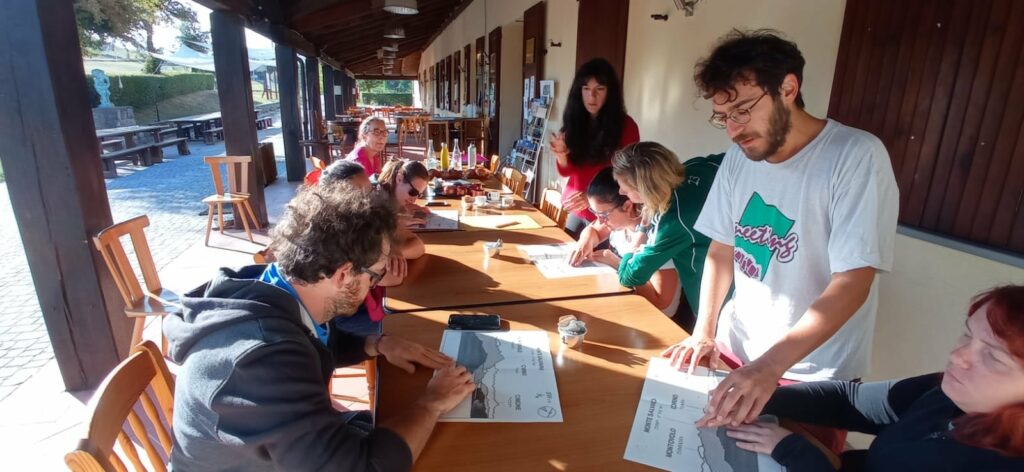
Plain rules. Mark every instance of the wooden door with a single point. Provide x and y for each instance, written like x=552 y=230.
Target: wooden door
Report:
x=604 y=34
x=533 y=46
x=494 y=89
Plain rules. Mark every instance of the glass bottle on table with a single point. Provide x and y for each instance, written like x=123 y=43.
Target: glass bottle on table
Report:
x=471 y=155
x=445 y=165
x=431 y=157
x=457 y=155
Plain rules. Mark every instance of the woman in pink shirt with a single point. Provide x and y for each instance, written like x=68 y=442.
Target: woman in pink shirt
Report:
x=594 y=126
x=369 y=150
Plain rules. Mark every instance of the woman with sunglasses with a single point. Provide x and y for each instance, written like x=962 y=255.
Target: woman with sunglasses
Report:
x=672 y=195
x=969 y=417
x=405 y=181
x=594 y=125
x=369 y=150
x=615 y=226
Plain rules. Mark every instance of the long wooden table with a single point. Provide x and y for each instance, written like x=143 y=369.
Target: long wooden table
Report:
x=454 y=272
x=520 y=207
x=599 y=388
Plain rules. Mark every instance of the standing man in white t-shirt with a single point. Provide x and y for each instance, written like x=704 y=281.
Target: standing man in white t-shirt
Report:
x=801 y=217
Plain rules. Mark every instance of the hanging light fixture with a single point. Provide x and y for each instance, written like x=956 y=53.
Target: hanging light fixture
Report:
x=401 y=7
x=394 y=31
x=390 y=47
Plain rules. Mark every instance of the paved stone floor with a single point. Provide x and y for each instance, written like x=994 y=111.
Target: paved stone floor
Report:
x=170 y=193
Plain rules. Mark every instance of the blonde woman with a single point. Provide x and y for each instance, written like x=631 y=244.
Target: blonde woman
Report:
x=672 y=195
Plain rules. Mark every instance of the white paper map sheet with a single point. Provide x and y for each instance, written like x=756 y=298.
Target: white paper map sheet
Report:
x=439 y=220
x=514 y=376
x=553 y=261
x=665 y=434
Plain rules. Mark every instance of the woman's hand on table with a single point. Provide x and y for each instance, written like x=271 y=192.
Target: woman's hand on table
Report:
x=404 y=354
x=584 y=250
x=397 y=265
x=760 y=437
x=607 y=257
x=688 y=352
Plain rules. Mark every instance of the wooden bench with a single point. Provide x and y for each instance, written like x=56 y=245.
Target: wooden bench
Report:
x=113 y=143
x=135 y=154
x=211 y=135
x=182 y=144
x=168 y=132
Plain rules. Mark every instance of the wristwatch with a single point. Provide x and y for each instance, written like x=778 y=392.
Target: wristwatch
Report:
x=642 y=228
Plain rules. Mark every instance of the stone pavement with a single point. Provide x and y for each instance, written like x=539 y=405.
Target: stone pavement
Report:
x=170 y=193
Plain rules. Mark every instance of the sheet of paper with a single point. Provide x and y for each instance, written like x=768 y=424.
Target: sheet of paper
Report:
x=665 y=434
x=514 y=376
x=507 y=222
x=439 y=220
x=553 y=261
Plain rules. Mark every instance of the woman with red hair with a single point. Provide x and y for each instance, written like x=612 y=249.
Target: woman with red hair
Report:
x=969 y=417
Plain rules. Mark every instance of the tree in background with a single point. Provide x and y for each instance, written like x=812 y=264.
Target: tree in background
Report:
x=194 y=37
x=129 y=21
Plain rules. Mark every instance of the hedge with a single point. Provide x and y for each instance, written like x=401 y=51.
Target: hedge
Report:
x=146 y=90
x=386 y=99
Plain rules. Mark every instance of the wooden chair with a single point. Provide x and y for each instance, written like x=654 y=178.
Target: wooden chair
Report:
x=138 y=303
x=551 y=206
x=495 y=163
x=237 y=196
x=367 y=369
x=439 y=132
x=142 y=379
x=514 y=180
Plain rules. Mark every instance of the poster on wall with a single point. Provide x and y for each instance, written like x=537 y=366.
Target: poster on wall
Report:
x=547 y=90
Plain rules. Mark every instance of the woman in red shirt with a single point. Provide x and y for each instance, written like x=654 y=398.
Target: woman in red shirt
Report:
x=594 y=126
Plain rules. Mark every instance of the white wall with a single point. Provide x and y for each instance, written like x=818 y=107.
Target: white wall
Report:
x=660 y=55
x=923 y=303
x=559 y=63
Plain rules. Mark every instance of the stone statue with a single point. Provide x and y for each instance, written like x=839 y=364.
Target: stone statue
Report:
x=102 y=84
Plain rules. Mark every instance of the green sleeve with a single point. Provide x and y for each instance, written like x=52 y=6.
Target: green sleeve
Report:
x=671 y=239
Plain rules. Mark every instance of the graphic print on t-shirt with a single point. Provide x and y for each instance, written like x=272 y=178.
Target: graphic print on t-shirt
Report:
x=763 y=233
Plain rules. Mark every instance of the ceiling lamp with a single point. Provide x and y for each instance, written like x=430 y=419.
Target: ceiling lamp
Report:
x=394 y=32
x=393 y=47
x=401 y=7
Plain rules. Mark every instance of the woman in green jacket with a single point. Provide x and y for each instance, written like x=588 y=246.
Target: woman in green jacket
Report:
x=672 y=195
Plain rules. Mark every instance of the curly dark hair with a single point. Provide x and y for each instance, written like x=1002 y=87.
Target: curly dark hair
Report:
x=325 y=227
x=759 y=55
x=590 y=140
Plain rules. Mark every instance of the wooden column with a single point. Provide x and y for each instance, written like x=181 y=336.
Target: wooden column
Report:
x=291 y=116
x=314 y=111
x=52 y=161
x=330 y=112
x=231 y=61
x=341 y=105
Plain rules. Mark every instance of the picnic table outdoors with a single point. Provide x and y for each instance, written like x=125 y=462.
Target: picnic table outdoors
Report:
x=599 y=386
x=125 y=146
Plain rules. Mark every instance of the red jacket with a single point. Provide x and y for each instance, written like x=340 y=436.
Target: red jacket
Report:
x=580 y=176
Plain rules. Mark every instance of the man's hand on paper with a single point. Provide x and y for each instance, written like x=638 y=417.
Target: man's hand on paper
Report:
x=741 y=396
x=447 y=389
x=688 y=352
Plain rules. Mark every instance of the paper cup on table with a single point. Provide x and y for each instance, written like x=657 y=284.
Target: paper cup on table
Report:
x=494 y=196
x=492 y=249
x=479 y=201
x=571 y=331
x=507 y=201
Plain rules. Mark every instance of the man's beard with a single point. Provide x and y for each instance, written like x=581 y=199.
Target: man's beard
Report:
x=346 y=302
x=779 y=125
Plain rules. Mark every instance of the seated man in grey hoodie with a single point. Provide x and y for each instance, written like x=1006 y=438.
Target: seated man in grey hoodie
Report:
x=257 y=350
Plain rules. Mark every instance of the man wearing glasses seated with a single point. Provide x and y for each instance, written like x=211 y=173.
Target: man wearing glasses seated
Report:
x=257 y=351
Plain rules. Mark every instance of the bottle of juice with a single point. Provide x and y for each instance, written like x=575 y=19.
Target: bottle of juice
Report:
x=444 y=156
